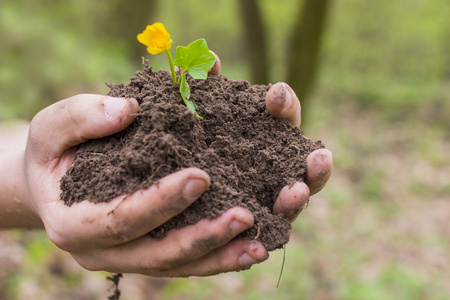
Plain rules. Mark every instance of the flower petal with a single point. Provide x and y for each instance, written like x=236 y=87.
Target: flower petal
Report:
x=142 y=39
x=156 y=38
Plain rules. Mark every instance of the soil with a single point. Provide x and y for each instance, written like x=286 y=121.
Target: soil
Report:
x=248 y=154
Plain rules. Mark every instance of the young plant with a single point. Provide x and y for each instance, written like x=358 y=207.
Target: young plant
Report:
x=194 y=59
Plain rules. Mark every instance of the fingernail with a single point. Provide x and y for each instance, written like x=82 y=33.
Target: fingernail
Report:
x=216 y=68
x=113 y=106
x=287 y=97
x=194 y=188
x=238 y=226
x=245 y=260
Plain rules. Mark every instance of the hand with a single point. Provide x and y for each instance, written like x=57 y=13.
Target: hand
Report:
x=281 y=102
x=114 y=236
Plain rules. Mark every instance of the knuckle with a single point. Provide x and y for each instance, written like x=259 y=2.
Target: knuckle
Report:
x=69 y=109
x=201 y=241
x=216 y=268
x=118 y=229
x=173 y=204
x=160 y=266
x=209 y=235
x=209 y=243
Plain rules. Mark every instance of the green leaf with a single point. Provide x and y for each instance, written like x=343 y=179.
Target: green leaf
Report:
x=195 y=58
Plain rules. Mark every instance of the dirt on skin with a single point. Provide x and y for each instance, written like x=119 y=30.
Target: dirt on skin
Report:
x=249 y=155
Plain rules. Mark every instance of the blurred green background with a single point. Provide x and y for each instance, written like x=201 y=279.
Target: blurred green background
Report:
x=374 y=81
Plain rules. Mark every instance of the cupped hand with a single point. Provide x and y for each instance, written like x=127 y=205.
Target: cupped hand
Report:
x=114 y=236
x=282 y=102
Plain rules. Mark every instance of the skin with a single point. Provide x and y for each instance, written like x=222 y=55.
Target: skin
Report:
x=113 y=236
x=282 y=102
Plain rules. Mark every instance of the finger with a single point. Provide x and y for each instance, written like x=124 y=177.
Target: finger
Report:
x=124 y=218
x=319 y=165
x=155 y=257
x=214 y=70
x=235 y=256
x=217 y=65
x=291 y=200
x=73 y=121
x=194 y=242
x=181 y=247
x=282 y=102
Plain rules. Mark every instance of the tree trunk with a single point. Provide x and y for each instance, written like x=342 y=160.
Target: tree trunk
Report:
x=305 y=48
x=125 y=19
x=255 y=40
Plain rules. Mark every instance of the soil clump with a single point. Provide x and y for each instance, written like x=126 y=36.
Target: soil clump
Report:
x=248 y=154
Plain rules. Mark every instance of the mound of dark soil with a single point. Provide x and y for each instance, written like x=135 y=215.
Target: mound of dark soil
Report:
x=249 y=155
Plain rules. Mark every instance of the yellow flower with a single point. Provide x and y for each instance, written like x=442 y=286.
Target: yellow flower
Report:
x=156 y=38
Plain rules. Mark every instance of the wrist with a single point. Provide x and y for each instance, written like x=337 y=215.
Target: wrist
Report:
x=16 y=209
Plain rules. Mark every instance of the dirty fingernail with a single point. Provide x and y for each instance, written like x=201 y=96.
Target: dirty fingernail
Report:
x=245 y=260
x=195 y=188
x=113 y=106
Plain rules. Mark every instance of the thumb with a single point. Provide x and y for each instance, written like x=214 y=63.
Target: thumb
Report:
x=217 y=65
x=74 y=120
x=282 y=102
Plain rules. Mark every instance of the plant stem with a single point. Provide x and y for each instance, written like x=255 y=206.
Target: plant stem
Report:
x=172 y=67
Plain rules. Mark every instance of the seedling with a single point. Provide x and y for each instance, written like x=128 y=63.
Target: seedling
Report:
x=195 y=58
